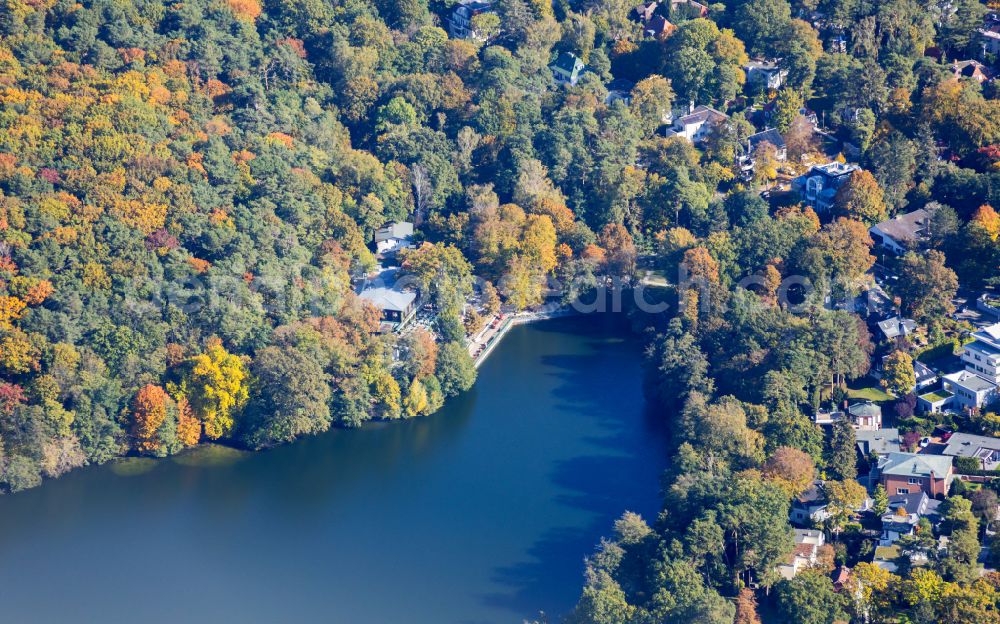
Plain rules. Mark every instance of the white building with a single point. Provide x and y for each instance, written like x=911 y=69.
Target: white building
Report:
x=979 y=384
x=982 y=356
x=902 y=232
x=393 y=237
x=696 y=125
x=766 y=73
x=460 y=21
x=969 y=390
x=819 y=185
x=805 y=554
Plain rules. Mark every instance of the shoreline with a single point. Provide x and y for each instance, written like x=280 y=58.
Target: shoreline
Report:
x=521 y=318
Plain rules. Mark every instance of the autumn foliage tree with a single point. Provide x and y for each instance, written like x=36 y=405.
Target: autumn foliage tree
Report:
x=216 y=386
x=149 y=411
x=861 y=198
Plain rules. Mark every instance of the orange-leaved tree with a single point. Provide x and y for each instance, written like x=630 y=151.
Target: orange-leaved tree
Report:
x=149 y=410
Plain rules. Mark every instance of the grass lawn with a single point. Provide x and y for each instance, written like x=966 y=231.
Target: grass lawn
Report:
x=887 y=552
x=934 y=397
x=869 y=393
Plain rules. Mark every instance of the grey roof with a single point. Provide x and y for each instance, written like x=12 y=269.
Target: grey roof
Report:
x=801 y=535
x=970 y=381
x=771 y=136
x=567 y=62
x=896 y=326
x=389 y=298
x=982 y=347
x=814 y=494
x=914 y=503
x=833 y=170
x=398 y=229
x=867 y=408
x=922 y=372
x=913 y=465
x=761 y=65
x=702 y=113
x=969 y=445
x=989 y=335
x=883 y=441
x=906 y=227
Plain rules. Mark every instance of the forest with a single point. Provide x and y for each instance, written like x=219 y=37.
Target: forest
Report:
x=189 y=191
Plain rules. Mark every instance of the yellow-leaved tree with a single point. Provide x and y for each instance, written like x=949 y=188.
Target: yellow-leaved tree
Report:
x=217 y=388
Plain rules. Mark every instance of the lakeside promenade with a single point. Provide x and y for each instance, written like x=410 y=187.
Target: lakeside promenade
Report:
x=482 y=344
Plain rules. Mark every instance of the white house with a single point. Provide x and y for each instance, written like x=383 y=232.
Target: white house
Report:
x=766 y=73
x=900 y=233
x=969 y=390
x=982 y=355
x=819 y=185
x=696 y=125
x=393 y=237
x=460 y=21
x=566 y=69
x=805 y=554
x=896 y=327
x=976 y=386
x=810 y=506
x=989 y=37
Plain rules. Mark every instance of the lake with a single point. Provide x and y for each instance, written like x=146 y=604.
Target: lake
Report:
x=481 y=513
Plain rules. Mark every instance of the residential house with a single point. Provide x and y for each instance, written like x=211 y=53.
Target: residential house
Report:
x=866 y=416
x=393 y=297
x=989 y=38
x=771 y=136
x=983 y=448
x=895 y=328
x=902 y=232
x=988 y=305
x=644 y=12
x=392 y=237
x=619 y=89
x=882 y=442
x=809 y=507
x=840 y=578
x=905 y=512
x=819 y=185
x=976 y=386
x=924 y=375
x=934 y=401
x=696 y=125
x=969 y=391
x=658 y=27
x=982 y=355
x=971 y=69
x=765 y=73
x=804 y=555
x=837 y=44
x=906 y=473
x=566 y=69
x=688 y=9
x=460 y=21
x=748 y=158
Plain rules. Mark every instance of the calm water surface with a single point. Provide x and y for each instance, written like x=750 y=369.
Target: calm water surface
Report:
x=479 y=514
